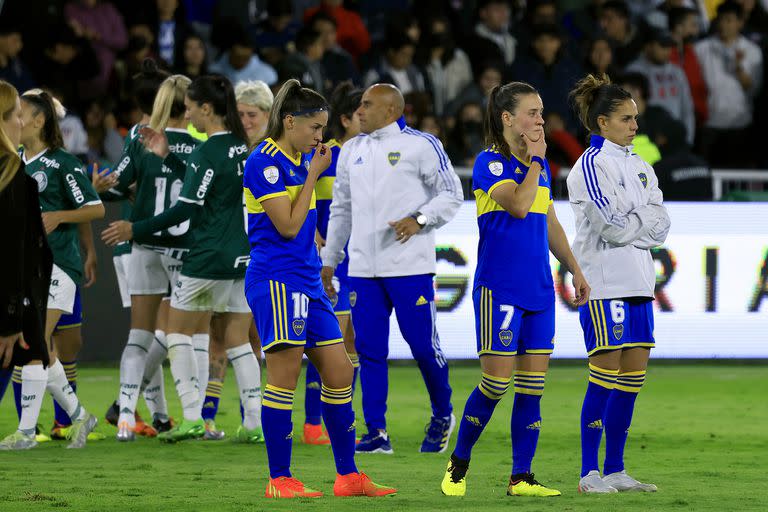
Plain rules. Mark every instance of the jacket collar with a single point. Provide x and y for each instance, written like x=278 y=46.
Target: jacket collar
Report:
x=389 y=130
x=608 y=147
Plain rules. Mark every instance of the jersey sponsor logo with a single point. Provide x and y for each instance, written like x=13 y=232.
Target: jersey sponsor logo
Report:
x=506 y=337
x=203 y=189
x=237 y=150
x=643 y=179
x=50 y=162
x=421 y=301
x=195 y=167
x=73 y=186
x=298 y=326
x=181 y=147
x=496 y=167
x=618 y=331
x=42 y=180
x=122 y=165
x=271 y=174
x=393 y=158
x=352 y=298
x=242 y=260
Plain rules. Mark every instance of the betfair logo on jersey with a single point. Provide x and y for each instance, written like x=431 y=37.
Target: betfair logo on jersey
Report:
x=203 y=189
x=181 y=147
x=242 y=260
x=77 y=194
x=422 y=301
x=237 y=150
x=506 y=337
x=42 y=180
x=49 y=162
x=618 y=331
x=298 y=326
x=393 y=158
x=643 y=179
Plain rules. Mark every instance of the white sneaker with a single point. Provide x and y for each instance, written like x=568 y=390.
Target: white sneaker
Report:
x=591 y=483
x=625 y=483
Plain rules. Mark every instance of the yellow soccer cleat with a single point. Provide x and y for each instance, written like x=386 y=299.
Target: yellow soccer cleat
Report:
x=455 y=479
x=524 y=484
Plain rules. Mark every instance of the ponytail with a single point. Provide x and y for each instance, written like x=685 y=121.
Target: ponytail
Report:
x=294 y=100
x=169 y=102
x=595 y=96
x=503 y=98
x=52 y=110
x=217 y=91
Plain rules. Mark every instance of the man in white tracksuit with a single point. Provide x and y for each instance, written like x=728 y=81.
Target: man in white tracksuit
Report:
x=394 y=187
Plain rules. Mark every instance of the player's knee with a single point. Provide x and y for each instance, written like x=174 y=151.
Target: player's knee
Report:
x=338 y=375
x=494 y=387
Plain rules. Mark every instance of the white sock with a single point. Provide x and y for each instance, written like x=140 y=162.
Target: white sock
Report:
x=184 y=370
x=152 y=383
x=33 y=381
x=200 y=343
x=61 y=391
x=248 y=376
x=132 y=365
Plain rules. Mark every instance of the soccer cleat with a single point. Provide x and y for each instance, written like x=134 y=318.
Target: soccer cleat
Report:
x=377 y=442
x=455 y=479
x=143 y=428
x=40 y=436
x=289 y=487
x=18 y=441
x=245 y=436
x=59 y=431
x=125 y=433
x=162 y=425
x=184 y=430
x=211 y=433
x=591 y=483
x=113 y=413
x=78 y=433
x=622 y=482
x=315 y=434
x=360 y=484
x=524 y=484
x=438 y=432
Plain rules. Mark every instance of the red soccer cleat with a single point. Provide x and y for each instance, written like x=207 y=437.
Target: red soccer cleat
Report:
x=360 y=484
x=289 y=487
x=315 y=434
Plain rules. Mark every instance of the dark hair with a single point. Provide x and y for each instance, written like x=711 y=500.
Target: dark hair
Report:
x=217 y=91
x=549 y=29
x=398 y=40
x=618 y=6
x=730 y=7
x=146 y=83
x=677 y=15
x=345 y=99
x=293 y=99
x=44 y=104
x=504 y=98
x=322 y=16
x=596 y=96
x=306 y=37
x=638 y=80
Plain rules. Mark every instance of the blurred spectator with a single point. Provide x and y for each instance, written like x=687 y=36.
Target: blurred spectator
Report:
x=172 y=31
x=465 y=140
x=489 y=75
x=550 y=71
x=618 y=27
x=338 y=64
x=668 y=86
x=130 y=63
x=304 y=64
x=563 y=149
x=682 y=175
x=755 y=20
x=658 y=17
x=194 y=57
x=492 y=39
x=448 y=69
x=684 y=26
x=396 y=67
x=101 y=25
x=537 y=13
x=274 y=36
x=104 y=142
x=352 y=33
x=200 y=16
x=581 y=23
x=241 y=64
x=599 y=57
x=431 y=124
x=733 y=69
x=12 y=69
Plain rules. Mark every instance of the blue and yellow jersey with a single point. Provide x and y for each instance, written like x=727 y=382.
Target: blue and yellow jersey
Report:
x=513 y=254
x=270 y=173
x=324 y=192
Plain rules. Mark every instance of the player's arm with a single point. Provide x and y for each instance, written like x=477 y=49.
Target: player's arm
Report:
x=558 y=244
x=438 y=174
x=516 y=199
x=85 y=232
x=80 y=193
x=658 y=234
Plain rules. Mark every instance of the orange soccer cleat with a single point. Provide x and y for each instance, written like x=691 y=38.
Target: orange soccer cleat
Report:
x=289 y=487
x=315 y=434
x=360 y=484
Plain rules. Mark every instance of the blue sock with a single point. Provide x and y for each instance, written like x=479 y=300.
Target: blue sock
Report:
x=618 y=417
x=5 y=378
x=313 y=411
x=601 y=383
x=355 y=359
x=70 y=369
x=212 y=397
x=242 y=413
x=16 y=380
x=526 y=419
x=477 y=412
x=340 y=422
x=277 y=405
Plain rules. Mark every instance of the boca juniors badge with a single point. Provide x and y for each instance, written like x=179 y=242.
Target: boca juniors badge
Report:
x=393 y=158
x=298 y=326
x=506 y=337
x=618 y=331
x=643 y=179
x=352 y=298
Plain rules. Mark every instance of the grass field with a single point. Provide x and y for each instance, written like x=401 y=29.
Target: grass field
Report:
x=700 y=433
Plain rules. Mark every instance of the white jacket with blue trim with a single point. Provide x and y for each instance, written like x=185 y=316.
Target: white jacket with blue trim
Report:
x=620 y=216
x=385 y=176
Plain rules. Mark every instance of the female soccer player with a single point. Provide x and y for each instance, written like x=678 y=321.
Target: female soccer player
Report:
x=620 y=216
x=66 y=200
x=342 y=126
x=211 y=279
x=514 y=295
x=292 y=313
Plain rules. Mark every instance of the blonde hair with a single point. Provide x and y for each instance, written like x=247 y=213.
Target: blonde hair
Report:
x=255 y=93
x=9 y=158
x=169 y=102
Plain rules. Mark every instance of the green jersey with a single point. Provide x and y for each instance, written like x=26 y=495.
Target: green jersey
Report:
x=214 y=180
x=63 y=185
x=126 y=208
x=157 y=186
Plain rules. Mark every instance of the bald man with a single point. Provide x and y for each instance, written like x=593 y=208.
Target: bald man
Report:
x=394 y=187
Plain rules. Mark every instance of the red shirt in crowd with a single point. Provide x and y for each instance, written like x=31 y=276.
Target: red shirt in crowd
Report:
x=351 y=33
x=692 y=69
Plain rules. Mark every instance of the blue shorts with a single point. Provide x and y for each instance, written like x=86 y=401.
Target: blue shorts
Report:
x=340 y=301
x=74 y=319
x=507 y=330
x=611 y=324
x=285 y=316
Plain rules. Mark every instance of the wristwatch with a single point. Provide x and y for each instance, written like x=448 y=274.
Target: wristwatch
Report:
x=420 y=219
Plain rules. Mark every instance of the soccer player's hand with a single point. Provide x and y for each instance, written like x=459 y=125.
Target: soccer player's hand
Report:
x=536 y=143
x=319 y=240
x=118 y=231
x=326 y=274
x=405 y=228
x=6 y=347
x=102 y=181
x=321 y=160
x=51 y=221
x=581 y=288
x=89 y=270
x=154 y=141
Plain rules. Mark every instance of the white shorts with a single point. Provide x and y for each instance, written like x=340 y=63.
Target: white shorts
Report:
x=121 y=265
x=150 y=271
x=61 y=293
x=219 y=296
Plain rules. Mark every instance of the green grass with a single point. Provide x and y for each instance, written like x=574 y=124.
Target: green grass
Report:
x=700 y=433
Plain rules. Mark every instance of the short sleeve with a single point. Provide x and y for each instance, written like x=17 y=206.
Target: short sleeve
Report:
x=77 y=185
x=262 y=180
x=490 y=171
x=198 y=179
